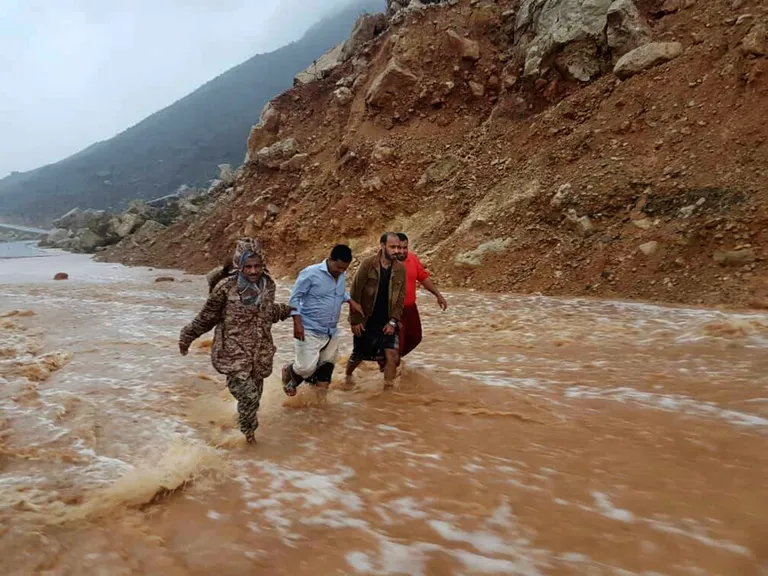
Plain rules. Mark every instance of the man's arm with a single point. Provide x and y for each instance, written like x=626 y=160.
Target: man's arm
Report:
x=356 y=293
x=206 y=320
x=441 y=301
x=423 y=276
x=300 y=290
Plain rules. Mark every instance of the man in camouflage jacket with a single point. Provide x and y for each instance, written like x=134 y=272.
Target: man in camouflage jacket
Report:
x=241 y=307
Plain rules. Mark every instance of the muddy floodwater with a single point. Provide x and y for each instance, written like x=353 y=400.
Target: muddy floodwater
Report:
x=526 y=435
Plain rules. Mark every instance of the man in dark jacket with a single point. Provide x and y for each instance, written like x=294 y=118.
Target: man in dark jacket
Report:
x=379 y=288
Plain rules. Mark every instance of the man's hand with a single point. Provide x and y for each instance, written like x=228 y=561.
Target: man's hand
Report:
x=442 y=302
x=183 y=348
x=358 y=330
x=355 y=307
x=298 y=328
x=389 y=329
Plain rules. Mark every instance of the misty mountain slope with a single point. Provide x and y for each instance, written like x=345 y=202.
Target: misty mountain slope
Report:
x=180 y=144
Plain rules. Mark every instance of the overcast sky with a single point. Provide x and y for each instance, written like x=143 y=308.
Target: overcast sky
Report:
x=73 y=72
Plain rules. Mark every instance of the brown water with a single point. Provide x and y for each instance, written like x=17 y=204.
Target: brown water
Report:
x=527 y=435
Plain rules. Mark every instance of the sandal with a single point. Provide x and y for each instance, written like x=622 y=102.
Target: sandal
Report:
x=289 y=386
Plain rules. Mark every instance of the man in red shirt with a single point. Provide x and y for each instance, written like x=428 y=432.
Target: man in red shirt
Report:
x=414 y=273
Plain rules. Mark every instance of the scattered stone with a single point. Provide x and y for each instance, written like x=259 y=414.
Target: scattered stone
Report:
x=478 y=90
x=646 y=57
x=643 y=223
x=670 y=6
x=581 y=224
x=475 y=257
x=382 y=153
x=343 y=96
x=61 y=276
x=735 y=257
x=443 y=169
x=296 y=163
x=394 y=80
x=561 y=195
x=273 y=156
x=165 y=279
x=756 y=40
x=467 y=49
x=373 y=184
x=649 y=248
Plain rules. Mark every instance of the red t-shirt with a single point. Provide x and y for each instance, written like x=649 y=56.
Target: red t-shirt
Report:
x=414 y=272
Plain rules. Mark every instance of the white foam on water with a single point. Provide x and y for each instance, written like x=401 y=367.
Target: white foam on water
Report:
x=668 y=403
x=610 y=511
x=484 y=565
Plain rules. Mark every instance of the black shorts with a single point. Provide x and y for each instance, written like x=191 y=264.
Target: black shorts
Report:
x=371 y=345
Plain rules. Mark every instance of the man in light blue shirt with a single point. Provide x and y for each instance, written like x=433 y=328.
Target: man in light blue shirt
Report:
x=317 y=297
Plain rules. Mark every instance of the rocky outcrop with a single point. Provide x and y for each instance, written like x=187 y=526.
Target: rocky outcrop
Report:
x=321 y=67
x=272 y=157
x=574 y=35
x=367 y=27
x=626 y=29
x=646 y=57
x=394 y=80
x=88 y=231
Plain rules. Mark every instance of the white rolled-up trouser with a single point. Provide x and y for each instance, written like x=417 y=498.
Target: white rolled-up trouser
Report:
x=313 y=351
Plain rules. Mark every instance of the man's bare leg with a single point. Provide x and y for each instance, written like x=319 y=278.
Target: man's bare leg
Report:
x=390 y=370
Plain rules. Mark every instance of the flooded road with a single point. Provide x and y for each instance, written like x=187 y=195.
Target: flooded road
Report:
x=527 y=436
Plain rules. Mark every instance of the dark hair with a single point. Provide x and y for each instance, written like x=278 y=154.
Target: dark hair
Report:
x=341 y=253
x=402 y=236
x=385 y=236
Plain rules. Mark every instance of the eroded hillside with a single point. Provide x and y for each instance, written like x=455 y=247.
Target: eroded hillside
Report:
x=505 y=140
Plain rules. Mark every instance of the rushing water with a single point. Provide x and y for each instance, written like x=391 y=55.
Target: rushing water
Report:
x=527 y=435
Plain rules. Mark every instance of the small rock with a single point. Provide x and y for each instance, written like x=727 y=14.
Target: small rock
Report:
x=649 y=248
x=735 y=257
x=466 y=48
x=756 y=40
x=670 y=6
x=478 y=90
x=343 y=96
x=581 y=224
x=61 y=276
x=382 y=153
x=165 y=279
x=643 y=223
x=645 y=57
x=295 y=164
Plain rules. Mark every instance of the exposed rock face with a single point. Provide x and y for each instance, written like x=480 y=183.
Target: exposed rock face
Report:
x=545 y=27
x=273 y=156
x=646 y=57
x=269 y=118
x=393 y=81
x=367 y=27
x=626 y=28
x=321 y=67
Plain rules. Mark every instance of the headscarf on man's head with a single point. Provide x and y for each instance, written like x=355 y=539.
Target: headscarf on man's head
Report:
x=244 y=249
x=250 y=293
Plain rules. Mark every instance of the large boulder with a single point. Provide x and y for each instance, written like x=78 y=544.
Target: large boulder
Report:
x=148 y=230
x=87 y=241
x=394 y=80
x=68 y=220
x=566 y=33
x=273 y=156
x=626 y=28
x=127 y=223
x=321 y=67
x=756 y=40
x=646 y=57
x=57 y=238
x=367 y=27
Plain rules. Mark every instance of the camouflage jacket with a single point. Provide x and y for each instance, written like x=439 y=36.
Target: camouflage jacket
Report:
x=242 y=341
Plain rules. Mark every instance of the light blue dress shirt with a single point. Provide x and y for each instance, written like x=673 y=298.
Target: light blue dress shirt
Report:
x=318 y=297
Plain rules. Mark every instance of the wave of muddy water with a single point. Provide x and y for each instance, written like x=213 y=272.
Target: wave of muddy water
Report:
x=527 y=436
